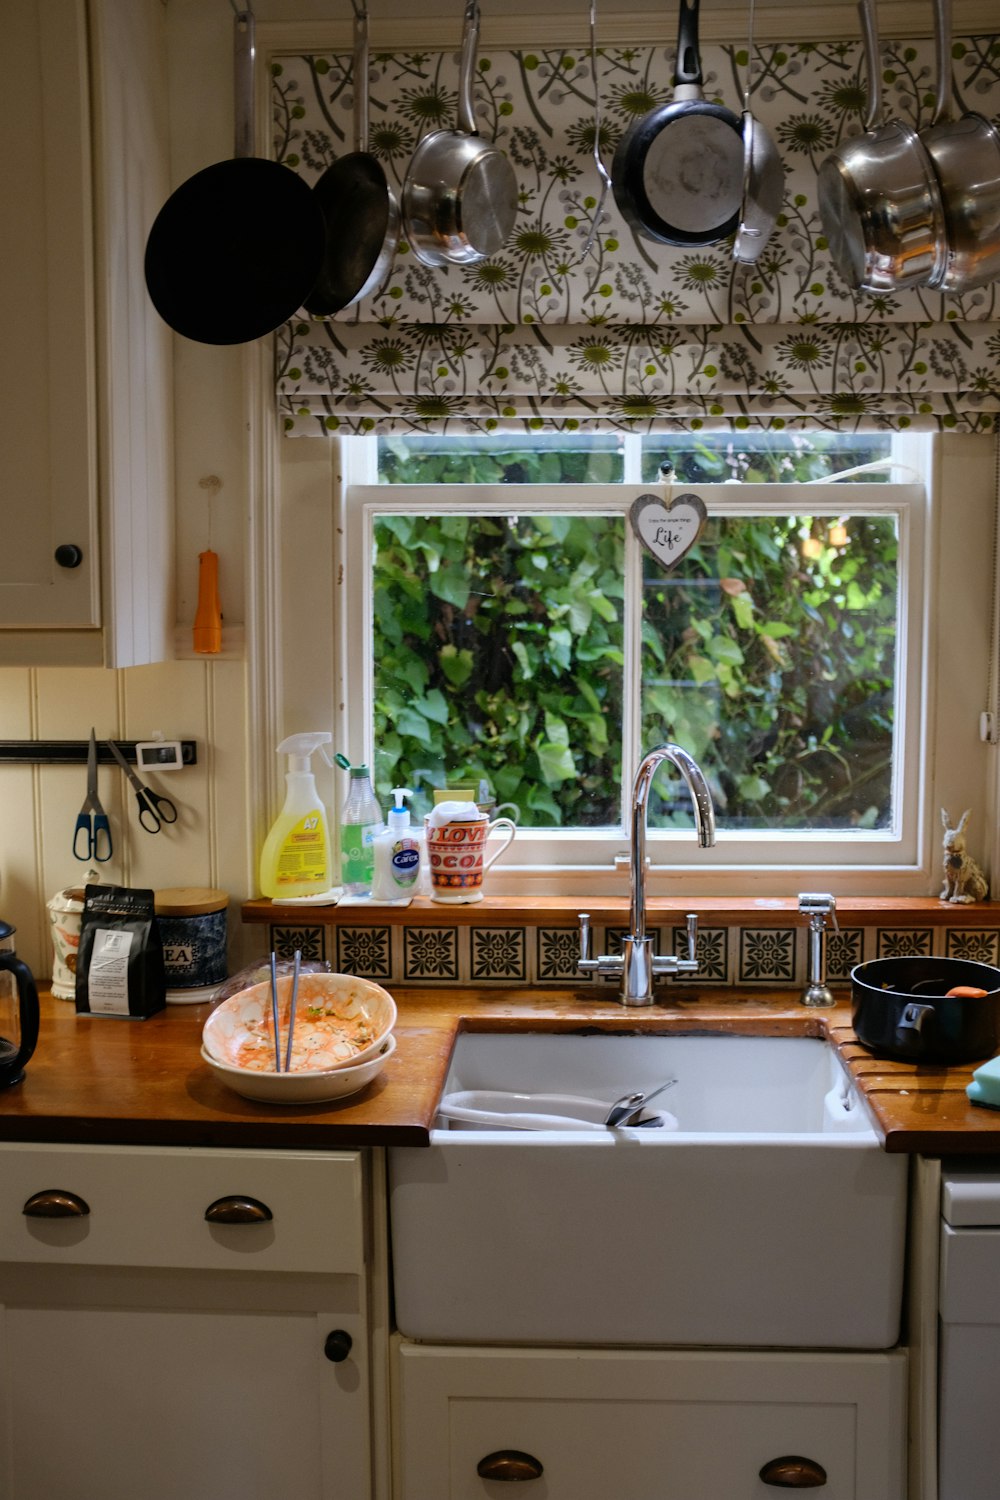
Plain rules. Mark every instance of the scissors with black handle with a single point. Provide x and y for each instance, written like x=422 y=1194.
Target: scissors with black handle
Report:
x=154 y=809
x=92 y=834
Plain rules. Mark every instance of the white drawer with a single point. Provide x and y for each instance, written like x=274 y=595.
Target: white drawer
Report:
x=146 y=1206
x=589 y=1424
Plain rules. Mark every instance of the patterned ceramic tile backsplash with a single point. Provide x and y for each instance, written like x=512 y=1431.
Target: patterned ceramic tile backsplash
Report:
x=513 y=954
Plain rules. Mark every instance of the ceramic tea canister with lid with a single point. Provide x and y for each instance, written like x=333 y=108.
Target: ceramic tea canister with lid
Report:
x=193 y=926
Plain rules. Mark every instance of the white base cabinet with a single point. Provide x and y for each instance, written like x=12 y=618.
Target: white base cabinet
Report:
x=647 y=1425
x=147 y=1349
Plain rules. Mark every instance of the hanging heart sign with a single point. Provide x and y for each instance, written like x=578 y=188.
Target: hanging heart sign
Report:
x=668 y=531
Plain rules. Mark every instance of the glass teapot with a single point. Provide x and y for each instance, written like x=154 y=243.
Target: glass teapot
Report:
x=18 y=1010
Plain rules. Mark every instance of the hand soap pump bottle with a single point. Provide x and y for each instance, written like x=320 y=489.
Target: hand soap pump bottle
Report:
x=398 y=853
x=295 y=859
x=360 y=821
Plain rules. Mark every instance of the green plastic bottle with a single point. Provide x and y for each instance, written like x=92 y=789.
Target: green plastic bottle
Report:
x=360 y=821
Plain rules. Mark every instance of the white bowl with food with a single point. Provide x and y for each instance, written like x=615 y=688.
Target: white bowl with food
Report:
x=340 y=1021
x=311 y=1087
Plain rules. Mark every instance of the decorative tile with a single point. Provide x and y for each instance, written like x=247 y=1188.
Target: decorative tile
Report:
x=897 y=942
x=430 y=953
x=767 y=954
x=713 y=953
x=971 y=942
x=365 y=951
x=498 y=953
x=310 y=941
x=557 y=950
x=844 y=949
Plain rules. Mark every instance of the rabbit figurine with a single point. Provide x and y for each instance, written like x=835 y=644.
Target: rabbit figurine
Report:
x=964 y=881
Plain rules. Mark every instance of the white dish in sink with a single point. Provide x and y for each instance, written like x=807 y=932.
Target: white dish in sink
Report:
x=501 y=1109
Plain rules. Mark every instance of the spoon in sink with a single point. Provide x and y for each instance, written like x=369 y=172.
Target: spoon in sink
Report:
x=624 y=1110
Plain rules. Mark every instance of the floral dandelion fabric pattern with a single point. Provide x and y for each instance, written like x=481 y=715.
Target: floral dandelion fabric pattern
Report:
x=630 y=333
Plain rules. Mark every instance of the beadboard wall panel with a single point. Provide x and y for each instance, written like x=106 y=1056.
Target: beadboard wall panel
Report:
x=208 y=845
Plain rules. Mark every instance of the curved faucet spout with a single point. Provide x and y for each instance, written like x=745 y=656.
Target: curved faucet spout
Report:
x=704 y=819
x=637 y=964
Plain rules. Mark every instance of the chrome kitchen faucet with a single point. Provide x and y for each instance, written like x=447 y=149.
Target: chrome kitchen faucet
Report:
x=637 y=964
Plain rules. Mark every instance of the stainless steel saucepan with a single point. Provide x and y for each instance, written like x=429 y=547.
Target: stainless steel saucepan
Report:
x=459 y=198
x=879 y=198
x=965 y=152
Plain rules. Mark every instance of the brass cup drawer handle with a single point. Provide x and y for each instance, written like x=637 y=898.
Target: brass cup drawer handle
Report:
x=791 y=1472
x=509 y=1465
x=56 y=1203
x=238 y=1209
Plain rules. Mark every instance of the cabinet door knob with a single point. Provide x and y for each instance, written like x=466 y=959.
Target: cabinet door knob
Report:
x=69 y=555
x=790 y=1472
x=56 y=1203
x=237 y=1209
x=338 y=1345
x=509 y=1465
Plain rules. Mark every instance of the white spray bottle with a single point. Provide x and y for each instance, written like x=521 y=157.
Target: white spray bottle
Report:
x=296 y=858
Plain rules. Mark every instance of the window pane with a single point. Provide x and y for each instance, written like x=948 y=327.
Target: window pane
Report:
x=758 y=457
x=770 y=654
x=503 y=458
x=498 y=653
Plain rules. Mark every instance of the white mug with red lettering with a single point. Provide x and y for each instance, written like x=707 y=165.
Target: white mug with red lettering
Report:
x=456 y=849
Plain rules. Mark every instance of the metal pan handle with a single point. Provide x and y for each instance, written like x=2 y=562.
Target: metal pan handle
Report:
x=360 y=77
x=243 y=60
x=466 y=68
x=869 y=34
x=943 y=110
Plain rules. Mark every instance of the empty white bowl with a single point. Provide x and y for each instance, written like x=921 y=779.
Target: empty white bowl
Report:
x=314 y=1087
x=340 y=1021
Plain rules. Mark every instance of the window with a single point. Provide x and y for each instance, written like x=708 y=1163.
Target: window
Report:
x=515 y=631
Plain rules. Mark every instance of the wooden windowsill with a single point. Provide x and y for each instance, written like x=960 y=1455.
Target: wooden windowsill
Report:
x=539 y=911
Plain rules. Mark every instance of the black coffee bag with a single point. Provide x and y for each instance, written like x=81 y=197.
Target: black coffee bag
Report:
x=120 y=968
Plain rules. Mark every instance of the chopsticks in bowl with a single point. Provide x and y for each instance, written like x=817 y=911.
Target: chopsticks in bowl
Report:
x=291 y=1013
x=274 y=1012
x=291 y=1010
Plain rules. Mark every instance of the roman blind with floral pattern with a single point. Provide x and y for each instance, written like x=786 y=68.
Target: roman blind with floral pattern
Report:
x=634 y=334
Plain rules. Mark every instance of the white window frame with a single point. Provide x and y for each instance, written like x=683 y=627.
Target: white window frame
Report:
x=897 y=861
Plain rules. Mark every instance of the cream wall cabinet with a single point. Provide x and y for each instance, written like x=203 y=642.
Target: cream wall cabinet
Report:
x=647 y=1425
x=146 y=1349
x=85 y=418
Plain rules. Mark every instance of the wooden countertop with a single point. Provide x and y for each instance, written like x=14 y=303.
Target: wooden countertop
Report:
x=99 y=1080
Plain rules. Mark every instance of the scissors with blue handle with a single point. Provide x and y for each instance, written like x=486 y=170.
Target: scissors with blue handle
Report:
x=92 y=834
x=154 y=810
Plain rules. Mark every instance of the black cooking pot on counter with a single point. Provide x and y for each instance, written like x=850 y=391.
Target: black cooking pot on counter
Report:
x=902 y=1008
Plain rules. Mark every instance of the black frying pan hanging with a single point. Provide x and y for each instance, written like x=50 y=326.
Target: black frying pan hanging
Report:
x=678 y=171
x=235 y=251
x=359 y=208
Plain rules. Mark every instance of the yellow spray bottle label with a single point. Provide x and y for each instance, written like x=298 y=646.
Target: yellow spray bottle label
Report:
x=303 y=852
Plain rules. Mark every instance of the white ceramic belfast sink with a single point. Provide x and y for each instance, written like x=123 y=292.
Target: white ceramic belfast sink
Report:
x=769 y=1217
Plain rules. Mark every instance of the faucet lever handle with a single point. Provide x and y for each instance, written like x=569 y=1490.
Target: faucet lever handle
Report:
x=584 y=936
x=692 y=936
